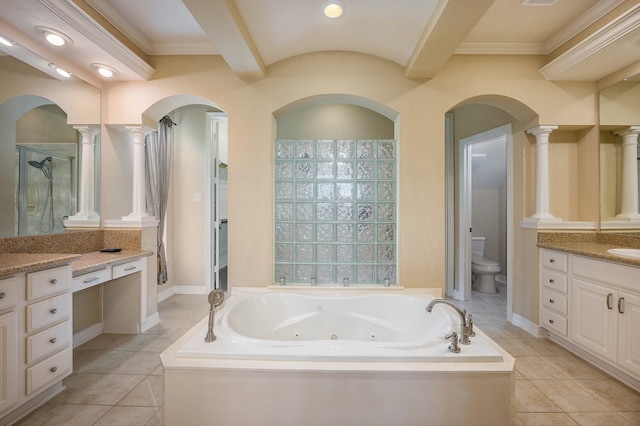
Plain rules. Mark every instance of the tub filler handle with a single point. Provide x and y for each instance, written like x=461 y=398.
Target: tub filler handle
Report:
x=216 y=297
x=453 y=347
x=466 y=324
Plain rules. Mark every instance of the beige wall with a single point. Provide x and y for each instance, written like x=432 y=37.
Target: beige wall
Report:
x=511 y=83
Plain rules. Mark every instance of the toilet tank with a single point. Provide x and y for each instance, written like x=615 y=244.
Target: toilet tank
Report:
x=477 y=246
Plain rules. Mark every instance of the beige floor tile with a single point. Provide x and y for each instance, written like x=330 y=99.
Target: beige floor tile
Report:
x=543 y=347
x=157 y=419
x=126 y=416
x=514 y=347
x=101 y=389
x=573 y=367
x=534 y=368
x=633 y=417
x=547 y=419
x=569 y=395
x=149 y=393
x=65 y=414
x=527 y=398
x=122 y=362
x=599 y=419
x=615 y=395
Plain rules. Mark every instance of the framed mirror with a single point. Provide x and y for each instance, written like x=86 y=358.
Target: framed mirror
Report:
x=40 y=151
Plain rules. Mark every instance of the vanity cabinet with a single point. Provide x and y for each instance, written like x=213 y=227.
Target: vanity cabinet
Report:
x=599 y=310
x=8 y=349
x=35 y=337
x=554 y=286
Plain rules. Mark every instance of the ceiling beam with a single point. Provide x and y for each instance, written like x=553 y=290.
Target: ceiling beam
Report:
x=449 y=25
x=222 y=23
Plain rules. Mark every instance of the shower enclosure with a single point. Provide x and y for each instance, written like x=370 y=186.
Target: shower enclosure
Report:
x=45 y=190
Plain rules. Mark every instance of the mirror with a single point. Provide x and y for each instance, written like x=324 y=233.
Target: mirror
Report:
x=619 y=155
x=40 y=147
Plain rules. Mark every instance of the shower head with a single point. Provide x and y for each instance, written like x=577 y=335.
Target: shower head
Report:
x=39 y=164
x=45 y=168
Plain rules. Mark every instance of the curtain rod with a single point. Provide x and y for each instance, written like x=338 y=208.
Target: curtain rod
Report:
x=165 y=118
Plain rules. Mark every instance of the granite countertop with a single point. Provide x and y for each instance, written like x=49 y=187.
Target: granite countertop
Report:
x=12 y=263
x=595 y=247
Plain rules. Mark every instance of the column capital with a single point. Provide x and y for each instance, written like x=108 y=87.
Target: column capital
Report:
x=86 y=128
x=139 y=130
x=628 y=131
x=541 y=130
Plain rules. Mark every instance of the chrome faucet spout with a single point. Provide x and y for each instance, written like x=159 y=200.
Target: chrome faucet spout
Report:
x=465 y=323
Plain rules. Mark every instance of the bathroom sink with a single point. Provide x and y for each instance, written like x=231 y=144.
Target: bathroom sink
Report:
x=626 y=252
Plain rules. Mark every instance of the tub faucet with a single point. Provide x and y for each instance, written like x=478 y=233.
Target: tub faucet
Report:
x=466 y=326
x=216 y=297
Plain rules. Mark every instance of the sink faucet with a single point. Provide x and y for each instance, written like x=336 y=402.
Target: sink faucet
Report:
x=466 y=324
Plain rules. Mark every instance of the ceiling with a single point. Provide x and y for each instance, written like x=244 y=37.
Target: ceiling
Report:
x=251 y=35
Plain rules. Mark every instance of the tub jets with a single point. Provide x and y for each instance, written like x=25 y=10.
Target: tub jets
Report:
x=216 y=297
x=466 y=324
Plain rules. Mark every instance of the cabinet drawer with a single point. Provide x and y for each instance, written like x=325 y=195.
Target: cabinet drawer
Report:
x=47 y=282
x=554 y=322
x=8 y=292
x=127 y=268
x=555 y=301
x=554 y=280
x=48 y=312
x=48 y=341
x=50 y=370
x=554 y=260
x=88 y=280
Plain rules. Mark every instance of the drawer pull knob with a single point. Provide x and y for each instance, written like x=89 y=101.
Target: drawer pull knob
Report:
x=552 y=260
x=609 y=296
x=3 y=295
x=551 y=301
x=54 y=281
x=53 y=340
x=130 y=268
x=551 y=280
x=551 y=321
x=53 y=311
x=89 y=280
x=53 y=369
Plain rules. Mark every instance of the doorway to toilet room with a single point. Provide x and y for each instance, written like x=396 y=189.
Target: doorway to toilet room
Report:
x=482 y=205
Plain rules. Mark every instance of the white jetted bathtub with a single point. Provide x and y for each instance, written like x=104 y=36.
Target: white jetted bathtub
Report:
x=331 y=357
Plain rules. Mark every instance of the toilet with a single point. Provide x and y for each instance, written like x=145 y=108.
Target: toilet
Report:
x=483 y=271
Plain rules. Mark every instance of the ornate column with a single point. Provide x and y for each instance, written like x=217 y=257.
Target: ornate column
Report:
x=629 y=174
x=86 y=215
x=139 y=213
x=542 y=213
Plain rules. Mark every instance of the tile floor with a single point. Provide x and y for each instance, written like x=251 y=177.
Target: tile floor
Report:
x=551 y=386
x=118 y=378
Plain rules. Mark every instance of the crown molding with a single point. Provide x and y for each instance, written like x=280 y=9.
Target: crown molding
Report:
x=89 y=28
x=597 y=42
x=500 y=48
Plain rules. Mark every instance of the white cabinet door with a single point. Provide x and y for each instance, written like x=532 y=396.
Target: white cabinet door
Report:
x=628 y=308
x=8 y=360
x=593 y=318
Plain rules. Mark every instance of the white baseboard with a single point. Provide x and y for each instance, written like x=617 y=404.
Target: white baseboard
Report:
x=87 y=334
x=528 y=326
x=502 y=279
x=150 y=322
x=166 y=293
x=189 y=289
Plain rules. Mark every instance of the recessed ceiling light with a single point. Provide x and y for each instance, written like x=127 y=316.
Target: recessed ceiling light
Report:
x=5 y=42
x=55 y=37
x=60 y=71
x=104 y=70
x=333 y=8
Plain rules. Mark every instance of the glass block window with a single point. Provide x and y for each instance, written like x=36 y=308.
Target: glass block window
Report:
x=335 y=211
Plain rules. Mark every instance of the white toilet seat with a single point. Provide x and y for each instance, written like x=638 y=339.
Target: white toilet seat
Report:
x=480 y=264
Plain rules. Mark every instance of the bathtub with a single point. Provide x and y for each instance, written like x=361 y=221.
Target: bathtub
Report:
x=330 y=357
